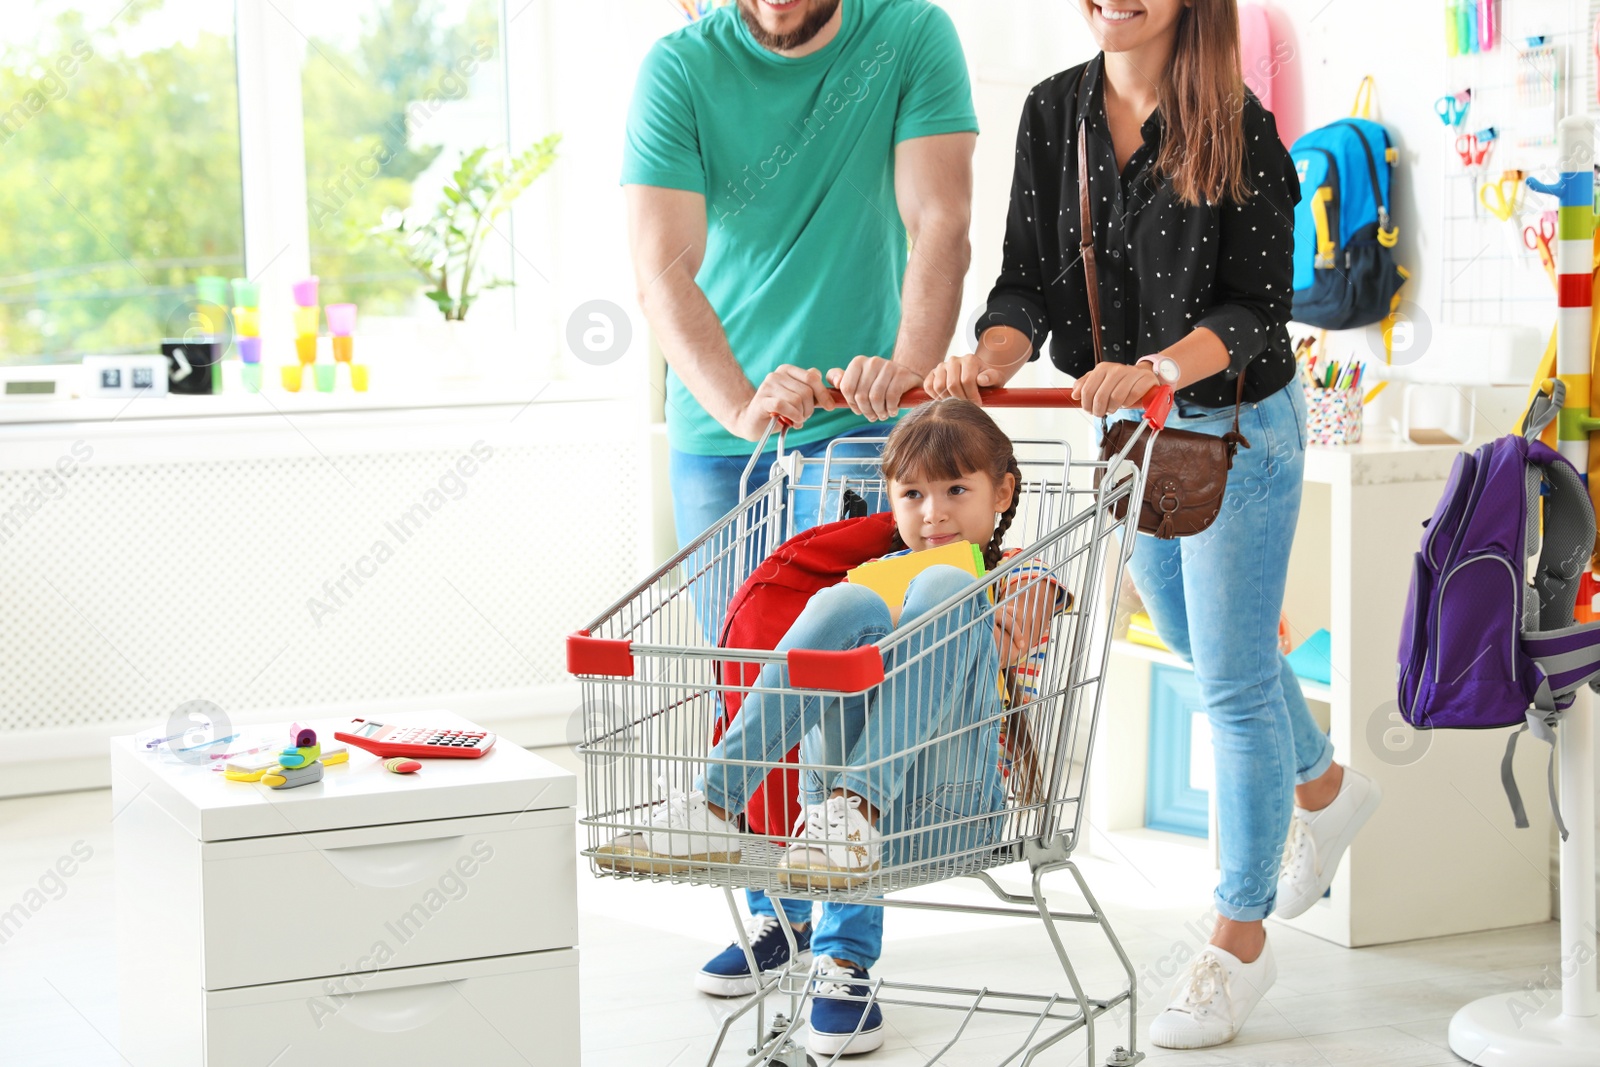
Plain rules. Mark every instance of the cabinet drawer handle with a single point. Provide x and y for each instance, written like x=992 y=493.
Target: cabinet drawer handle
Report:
x=393 y=1011
x=393 y=864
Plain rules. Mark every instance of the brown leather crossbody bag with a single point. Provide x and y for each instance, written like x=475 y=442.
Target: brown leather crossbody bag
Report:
x=1187 y=472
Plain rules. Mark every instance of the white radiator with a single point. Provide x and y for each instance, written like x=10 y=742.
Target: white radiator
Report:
x=274 y=563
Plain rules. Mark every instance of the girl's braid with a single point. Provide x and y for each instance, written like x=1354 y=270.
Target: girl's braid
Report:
x=991 y=554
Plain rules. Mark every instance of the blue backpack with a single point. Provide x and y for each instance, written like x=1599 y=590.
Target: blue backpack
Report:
x=1480 y=647
x=1344 y=270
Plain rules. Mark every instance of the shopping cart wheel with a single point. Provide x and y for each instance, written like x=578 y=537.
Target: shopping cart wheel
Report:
x=1121 y=1057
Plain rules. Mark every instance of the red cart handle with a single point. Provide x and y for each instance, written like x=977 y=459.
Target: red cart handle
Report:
x=1157 y=403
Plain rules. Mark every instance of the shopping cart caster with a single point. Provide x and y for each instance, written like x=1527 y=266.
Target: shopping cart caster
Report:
x=788 y=1054
x=1121 y=1057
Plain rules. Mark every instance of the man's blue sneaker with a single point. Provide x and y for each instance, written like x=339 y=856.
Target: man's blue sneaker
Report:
x=834 y=1021
x=728 y=974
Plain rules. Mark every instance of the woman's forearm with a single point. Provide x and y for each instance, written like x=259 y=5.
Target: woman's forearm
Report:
x=1005 y=350
x=1199 y=356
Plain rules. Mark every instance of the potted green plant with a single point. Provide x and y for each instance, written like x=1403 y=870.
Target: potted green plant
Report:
x=445 y=247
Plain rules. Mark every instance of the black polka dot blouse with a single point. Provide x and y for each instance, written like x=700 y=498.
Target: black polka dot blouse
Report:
x=1164 y=268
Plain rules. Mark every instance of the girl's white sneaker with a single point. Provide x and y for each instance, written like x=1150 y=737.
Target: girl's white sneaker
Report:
x=838 y=847
x=1212 y=998
x=683 y=834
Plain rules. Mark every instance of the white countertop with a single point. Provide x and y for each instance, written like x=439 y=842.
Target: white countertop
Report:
x=506 y=779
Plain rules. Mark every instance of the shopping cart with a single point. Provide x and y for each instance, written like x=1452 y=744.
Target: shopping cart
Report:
x=655 y=686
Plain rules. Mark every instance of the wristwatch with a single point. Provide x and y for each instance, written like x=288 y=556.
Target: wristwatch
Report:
x=1166 y=368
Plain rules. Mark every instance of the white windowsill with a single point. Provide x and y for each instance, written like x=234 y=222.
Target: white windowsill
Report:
x=234 y=401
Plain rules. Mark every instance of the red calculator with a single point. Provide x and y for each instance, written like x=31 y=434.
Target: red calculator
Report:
x=418 y=742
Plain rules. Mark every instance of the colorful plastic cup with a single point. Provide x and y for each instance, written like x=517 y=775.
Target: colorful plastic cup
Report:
x=305 y=321
x=305 y=347
x=210 y=319
x=246 y=322
x=249 y=350
x=212 y=290
x=358 y=377
x=292 y=376
x=251 y=375
x=341 y=319
x=343 y=348
x=325 y=376
x=246 y=293
x=305 y=292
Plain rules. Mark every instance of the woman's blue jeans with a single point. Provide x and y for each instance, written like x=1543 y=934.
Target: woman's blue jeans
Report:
x=1215 y=598
x=941 y=686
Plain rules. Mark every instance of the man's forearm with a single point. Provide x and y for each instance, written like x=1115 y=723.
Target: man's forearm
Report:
x=930 y=298
x=696 y=346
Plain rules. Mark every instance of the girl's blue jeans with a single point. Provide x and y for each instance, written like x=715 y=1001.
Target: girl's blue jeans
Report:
x=922 y=748
x=1215 y=598
x=705 y=488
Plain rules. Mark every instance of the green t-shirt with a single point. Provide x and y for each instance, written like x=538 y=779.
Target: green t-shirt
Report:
x=805 y=249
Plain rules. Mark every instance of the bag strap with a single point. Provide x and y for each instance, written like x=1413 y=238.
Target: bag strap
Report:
x=1362 y=108
x=1091 y=276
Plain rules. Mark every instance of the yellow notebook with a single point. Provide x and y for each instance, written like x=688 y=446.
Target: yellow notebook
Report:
x=890 y=578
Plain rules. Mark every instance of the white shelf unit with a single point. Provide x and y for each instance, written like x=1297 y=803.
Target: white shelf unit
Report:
x=1441 y=855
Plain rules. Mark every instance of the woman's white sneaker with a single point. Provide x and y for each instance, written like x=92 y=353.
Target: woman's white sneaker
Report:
x=1317 y=842
x=1212 y=999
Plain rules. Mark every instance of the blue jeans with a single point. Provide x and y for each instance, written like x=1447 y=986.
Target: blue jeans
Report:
x=940 y=691
x=704 y=489
x=1215 y=598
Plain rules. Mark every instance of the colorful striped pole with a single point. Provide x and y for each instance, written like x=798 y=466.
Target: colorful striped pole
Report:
x=1574 y=190
x=1513 y=1030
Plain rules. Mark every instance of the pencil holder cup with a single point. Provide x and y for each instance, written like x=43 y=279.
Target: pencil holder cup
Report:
x=1333 y=416
x=293 y=374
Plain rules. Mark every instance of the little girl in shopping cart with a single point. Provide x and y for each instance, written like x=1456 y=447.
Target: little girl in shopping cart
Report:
x=916 y=765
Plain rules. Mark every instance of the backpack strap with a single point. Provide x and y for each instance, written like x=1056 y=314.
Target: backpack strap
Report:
x=1566 y=655
x=1544 y=409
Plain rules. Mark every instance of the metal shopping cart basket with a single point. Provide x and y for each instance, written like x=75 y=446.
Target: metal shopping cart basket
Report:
x=654 y=689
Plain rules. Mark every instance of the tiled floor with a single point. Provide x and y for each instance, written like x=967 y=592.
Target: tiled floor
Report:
x=1386 y=1006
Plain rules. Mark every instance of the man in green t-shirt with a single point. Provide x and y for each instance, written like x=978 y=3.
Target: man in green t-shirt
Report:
x=799 y=185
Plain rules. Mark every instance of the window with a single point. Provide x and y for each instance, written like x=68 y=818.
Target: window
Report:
x=395 y=92
x=119 y=164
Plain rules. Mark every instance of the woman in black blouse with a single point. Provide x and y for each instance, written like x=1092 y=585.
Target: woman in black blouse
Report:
x=1192 y=200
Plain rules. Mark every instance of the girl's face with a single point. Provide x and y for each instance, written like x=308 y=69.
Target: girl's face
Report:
x=1125 y=25
x=931 y=513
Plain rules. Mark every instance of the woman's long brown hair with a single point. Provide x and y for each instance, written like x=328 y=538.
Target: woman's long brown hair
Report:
x=1202 y=104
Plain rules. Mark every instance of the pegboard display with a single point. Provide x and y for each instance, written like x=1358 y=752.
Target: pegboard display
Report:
x=283 y=581
x=1542 y=68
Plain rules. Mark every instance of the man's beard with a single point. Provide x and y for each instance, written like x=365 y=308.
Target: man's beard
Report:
x=786 y=42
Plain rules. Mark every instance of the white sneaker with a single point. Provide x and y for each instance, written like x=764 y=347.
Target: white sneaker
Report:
x=838 y=849
x=683 y=834
x=1317 y=840
x=1212 y=999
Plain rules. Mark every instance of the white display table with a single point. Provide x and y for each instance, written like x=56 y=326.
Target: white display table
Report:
x=367 y=918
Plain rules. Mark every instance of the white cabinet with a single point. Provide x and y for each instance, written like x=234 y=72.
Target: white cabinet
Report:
x=369 y=917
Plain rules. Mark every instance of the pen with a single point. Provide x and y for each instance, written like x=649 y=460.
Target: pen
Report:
x=208 y=744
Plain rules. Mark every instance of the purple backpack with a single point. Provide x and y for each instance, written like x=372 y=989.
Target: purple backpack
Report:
x=1484 y=644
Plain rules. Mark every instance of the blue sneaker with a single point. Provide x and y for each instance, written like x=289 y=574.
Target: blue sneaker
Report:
x=834 y=1021
x=728 y=973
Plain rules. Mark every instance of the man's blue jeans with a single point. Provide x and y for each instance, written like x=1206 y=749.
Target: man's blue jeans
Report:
x=704 y=489
x=1215 y=598
x=922 y=749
